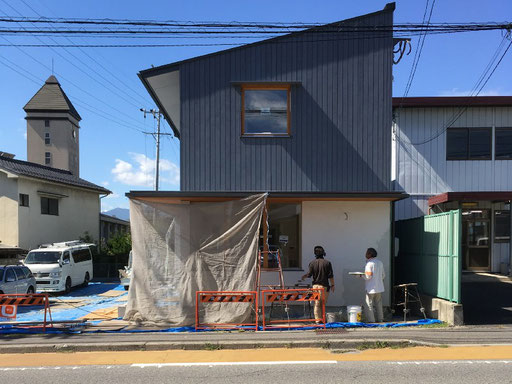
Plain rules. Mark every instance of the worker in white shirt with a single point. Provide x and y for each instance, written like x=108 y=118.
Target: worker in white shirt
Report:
x=374 y=281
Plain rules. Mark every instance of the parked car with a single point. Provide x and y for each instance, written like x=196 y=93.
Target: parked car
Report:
x=58 y=267
x=16 y=280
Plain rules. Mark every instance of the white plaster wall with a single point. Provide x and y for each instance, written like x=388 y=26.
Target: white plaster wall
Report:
x=8 y=210
x=346 y=230
x=78 y=213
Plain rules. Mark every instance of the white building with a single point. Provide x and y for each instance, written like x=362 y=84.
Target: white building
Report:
x=43 y=200
x=456 y=153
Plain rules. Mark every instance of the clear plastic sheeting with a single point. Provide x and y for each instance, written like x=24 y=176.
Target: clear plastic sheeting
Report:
x=181 y=248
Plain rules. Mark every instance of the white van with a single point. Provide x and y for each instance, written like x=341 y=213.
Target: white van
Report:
x=58 y=267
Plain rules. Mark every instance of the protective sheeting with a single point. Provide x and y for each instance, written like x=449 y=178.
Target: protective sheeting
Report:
x=179 y=249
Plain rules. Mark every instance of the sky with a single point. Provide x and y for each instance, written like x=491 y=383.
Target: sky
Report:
x=103 y=85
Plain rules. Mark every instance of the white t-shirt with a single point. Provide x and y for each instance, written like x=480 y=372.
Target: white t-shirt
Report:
x=375 y=282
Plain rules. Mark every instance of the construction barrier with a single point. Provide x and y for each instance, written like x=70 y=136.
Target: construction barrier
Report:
x=206 y=297
x=286 y=296
x=9 y=304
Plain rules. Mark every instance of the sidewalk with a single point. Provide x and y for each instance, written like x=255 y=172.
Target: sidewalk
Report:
x=333 y=339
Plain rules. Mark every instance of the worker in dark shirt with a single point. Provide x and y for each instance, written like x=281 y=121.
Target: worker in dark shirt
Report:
x=321 y=272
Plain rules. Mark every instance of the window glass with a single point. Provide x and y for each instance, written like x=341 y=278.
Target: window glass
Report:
x=49 y=206
x=457 y=144
x=66 y=256
x=480 y=143
x=503 y=143
x=47 y=123
x=47 y=138
x=501 y=226
x=47 y=158
x=265 y=112
x=9 y=276
x=27 y=272
x=23 y=200
x=42 y=258
x=19 y=273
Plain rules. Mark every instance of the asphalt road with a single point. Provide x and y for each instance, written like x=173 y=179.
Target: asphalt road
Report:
x=325 y=372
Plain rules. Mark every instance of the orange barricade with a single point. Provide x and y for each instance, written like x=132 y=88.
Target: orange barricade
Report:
x=206 y=297
x=292 y=295
x=25 y=300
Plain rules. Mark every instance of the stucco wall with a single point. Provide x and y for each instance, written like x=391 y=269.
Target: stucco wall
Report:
x=78 y=212
x=346 y=230
x=8 y=210
x=63 y=146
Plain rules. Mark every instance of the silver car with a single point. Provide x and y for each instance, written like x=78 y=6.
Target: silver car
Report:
x=16 y=280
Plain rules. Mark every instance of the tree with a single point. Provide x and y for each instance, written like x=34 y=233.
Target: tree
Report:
x=119 y=244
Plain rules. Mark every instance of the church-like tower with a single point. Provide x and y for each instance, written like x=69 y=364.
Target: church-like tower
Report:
x=53 y=128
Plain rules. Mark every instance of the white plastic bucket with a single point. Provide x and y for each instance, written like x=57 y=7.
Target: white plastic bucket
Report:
x=354 y=313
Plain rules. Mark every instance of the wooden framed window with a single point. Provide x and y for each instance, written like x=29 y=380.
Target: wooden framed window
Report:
x=468 y=144
x=503 y=143
x=266 y=110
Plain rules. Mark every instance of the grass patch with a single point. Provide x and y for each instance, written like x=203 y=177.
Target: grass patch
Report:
x=384 y=344
x=212 y=347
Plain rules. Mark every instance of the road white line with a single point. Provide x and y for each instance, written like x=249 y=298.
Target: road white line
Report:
x=231 y=363
x=450 y=362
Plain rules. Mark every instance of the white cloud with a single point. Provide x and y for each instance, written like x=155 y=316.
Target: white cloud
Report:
x=111 y=196
x=141 y=171
x=105 y=183
x=459 y=92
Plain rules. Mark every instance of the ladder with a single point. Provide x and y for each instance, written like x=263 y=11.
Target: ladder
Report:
x=272 y=264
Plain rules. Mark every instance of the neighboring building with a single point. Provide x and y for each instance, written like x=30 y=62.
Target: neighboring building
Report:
x=110 y=226
x=304 y=117
x=40 y=205
x=456 y=153
x=43 y=200
x=52 y=129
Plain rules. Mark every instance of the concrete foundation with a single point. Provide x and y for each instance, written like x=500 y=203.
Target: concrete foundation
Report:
x=443 y=310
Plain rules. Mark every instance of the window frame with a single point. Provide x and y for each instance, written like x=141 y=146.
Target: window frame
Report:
x=46 y=123
x=24 y=200
x=468 y=145
x=47 y=138
x=268 y=87
x=45 y=208
x=496 y=130
x=48 y=158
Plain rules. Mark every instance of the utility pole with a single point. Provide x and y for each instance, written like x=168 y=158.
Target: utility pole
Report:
x=156 y=115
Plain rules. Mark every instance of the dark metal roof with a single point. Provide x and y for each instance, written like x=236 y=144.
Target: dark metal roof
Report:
x=52 y=98
x=154 y=71
x=452 y=101
x=470 y=196
x=54 y=175
x=272 y=195
x=113 y=219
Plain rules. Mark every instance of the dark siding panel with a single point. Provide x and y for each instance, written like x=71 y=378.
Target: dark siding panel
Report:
x=341 y=116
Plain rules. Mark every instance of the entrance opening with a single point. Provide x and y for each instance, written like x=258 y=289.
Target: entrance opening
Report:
x=476 y=240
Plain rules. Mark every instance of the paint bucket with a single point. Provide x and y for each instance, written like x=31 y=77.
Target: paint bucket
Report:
x=332 y=317
x=354 y=313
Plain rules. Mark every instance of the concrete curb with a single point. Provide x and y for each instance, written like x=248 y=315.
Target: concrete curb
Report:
x=338 y=344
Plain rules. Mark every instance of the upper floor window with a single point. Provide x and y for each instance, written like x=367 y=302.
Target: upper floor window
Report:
x=47 y=138
x=49 y=206
x=468 y=144
x=47 y=123
x=23 y=200
x=266 y=110
x=48 y=158
x=503 y=144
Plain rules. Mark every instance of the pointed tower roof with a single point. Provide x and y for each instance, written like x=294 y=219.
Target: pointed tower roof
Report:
x=51 y=98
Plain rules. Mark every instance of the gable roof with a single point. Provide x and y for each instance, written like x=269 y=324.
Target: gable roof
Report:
x=54 y=175
x=51 y=97
x=144 y=75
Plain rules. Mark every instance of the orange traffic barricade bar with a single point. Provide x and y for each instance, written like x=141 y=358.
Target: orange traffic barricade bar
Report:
x=292 y=295
x=207 y=297
x=10 y=302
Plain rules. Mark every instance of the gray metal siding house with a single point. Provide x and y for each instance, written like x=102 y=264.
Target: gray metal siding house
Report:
x=456 y=153
x=340 y=85
x=304 y=117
